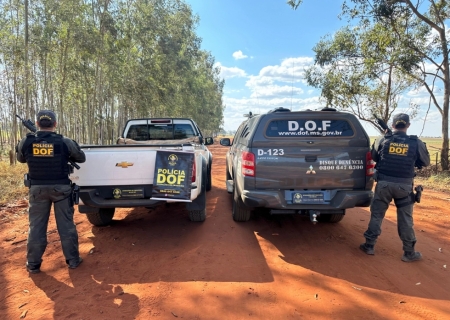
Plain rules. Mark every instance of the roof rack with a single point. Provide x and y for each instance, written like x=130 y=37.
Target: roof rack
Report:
x=250 y=115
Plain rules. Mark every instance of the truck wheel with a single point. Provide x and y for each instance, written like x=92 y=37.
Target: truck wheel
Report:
x=330 y=218
x=208 y=180
x=240 y=212
x=197 y=215
x=103 y=217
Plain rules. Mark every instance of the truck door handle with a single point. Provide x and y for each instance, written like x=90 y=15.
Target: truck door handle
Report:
x=310 y=158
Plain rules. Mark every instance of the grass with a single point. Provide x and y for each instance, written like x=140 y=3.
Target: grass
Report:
x=11 y=182
x=438 y=182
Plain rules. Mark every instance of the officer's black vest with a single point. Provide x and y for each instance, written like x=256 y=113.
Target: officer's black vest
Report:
x=397 y=156
x=47 y=156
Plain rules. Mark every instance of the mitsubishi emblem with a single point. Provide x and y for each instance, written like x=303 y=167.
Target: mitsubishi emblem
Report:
x=311 y=170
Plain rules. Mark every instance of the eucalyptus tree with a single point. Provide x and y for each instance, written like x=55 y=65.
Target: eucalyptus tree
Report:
x=421 y=30
x=101 y=62
x=357 y=70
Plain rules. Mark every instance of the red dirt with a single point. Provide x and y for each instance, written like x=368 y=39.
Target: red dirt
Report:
x=157 y=264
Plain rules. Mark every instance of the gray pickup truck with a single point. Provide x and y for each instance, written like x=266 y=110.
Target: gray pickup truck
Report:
x=314 y=163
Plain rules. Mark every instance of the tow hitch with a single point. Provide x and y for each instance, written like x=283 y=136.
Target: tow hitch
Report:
x=313 y=214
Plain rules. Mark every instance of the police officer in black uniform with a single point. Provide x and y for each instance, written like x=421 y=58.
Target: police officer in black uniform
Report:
x=47 y=155
x=396 y=155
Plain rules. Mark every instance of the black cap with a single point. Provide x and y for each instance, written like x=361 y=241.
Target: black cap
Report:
x=46 y=118
x=401 y=120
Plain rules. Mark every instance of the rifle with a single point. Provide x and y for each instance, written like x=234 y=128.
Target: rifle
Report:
x=382 y=125
x=27 y=124
x=30 y=126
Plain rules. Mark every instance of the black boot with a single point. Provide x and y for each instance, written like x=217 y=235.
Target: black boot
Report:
x=410 y=256
x=367 y=248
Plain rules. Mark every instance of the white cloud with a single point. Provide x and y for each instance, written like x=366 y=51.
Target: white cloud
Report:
x=239 y=55
x=282 y=86
x=230 y=72
x=290 y=70
x=274 y=86
x=275 y=91
x=236 y=108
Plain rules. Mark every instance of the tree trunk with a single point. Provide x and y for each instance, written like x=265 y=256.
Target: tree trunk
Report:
x=444 y=150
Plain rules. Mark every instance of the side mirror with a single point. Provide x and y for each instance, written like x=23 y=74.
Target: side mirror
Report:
x=226 y=142
x=209 y=141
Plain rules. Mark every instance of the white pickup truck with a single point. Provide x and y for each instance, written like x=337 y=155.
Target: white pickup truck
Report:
x=154 y=162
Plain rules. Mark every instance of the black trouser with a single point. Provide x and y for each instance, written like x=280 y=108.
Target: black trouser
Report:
x=41 y=198
x=385 y=192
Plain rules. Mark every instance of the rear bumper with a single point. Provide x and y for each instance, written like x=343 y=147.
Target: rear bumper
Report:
x=342 y=199
x=89 y=198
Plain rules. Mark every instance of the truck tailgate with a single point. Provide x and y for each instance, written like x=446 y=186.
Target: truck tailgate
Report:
x=116 y=166
x=310 y=168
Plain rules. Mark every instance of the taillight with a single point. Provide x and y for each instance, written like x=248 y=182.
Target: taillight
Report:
x=248 y=164
x=194 y=174
x=370 y=165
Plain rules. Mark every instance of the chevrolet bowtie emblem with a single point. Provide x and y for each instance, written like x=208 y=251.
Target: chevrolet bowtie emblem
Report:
x=124 y=164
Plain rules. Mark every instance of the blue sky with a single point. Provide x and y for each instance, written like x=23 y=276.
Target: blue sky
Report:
x=262 y=48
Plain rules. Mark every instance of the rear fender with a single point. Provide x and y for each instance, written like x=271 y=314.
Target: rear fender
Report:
x=200 y=202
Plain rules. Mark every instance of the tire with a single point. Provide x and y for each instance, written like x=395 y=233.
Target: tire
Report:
x=208 y=180
x=102 y=218
x=240 y=212
x=330 y=218
x=197 y=215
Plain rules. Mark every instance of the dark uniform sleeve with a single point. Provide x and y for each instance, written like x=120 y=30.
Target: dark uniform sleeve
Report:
x=75 y=152
x=375 y=147
x=423 y=156
x=20 y=156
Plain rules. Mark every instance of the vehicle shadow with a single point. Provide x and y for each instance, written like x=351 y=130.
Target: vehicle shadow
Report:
x=333 y=250
x=162 y=244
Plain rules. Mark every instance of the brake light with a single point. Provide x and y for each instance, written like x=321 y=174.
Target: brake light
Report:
x=161 y=121
x=248 y=164
x=370 y=164
x=194 y=173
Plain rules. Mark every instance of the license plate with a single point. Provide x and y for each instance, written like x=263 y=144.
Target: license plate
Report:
x=120 y=193
x=300 y=197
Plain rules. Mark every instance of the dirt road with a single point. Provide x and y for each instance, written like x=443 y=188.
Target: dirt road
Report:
x=156 y=264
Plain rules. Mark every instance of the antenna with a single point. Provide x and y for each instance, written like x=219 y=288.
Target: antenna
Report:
x=292 y=88
x=249 y=115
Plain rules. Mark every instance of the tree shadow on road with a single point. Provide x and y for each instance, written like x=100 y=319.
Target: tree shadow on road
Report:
x=86 y=299
x=333 y=250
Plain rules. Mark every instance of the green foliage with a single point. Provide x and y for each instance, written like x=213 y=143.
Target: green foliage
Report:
x=357 y=69
x=100 y=63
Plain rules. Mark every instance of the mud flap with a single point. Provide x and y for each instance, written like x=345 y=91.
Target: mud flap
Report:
x=200 y=202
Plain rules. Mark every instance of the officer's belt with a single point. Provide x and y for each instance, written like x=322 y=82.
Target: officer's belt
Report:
x=48 y=182
x=383 y=177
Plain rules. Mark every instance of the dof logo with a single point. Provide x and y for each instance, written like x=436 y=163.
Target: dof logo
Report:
x=398 y=149
x=43 y=149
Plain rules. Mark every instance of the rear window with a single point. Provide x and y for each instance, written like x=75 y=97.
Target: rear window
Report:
x=309 y=128
x=143 y=132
